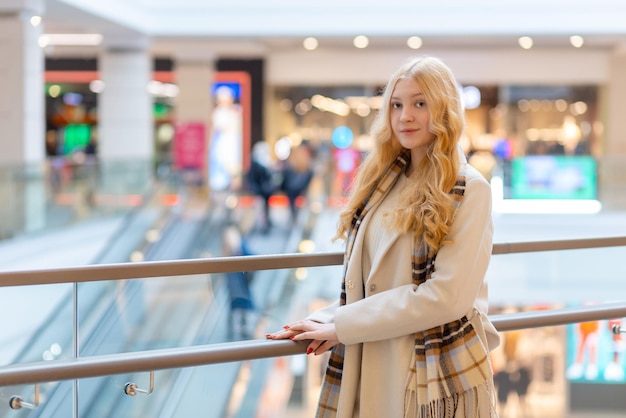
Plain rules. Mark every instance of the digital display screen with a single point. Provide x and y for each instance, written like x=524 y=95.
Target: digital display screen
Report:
x=595 y=354
x=76 y=137
x=554 y=177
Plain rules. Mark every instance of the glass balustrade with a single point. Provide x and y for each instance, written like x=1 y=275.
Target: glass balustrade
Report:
x=570 y=373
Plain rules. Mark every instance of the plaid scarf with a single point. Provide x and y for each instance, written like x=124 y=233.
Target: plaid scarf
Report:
x=451 y=363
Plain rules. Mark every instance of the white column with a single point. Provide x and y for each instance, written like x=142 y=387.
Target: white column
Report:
x=125 y=114
x=22 y=115
x=22 y=118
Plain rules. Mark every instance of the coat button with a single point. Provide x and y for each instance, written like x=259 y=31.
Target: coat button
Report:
x=372 y=288
x=350 y=284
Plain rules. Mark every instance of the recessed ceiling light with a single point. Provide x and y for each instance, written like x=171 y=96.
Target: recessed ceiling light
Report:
x=576 y=41
x=361 y=41
x=35 y=21
x=310 y=43
x=525 y=42
x=414 y=42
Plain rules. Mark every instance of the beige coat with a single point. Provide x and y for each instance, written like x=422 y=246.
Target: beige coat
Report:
x=384 y=308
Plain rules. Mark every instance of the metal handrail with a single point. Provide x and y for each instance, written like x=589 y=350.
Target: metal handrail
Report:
x=256 y=349
x=154 y=269
x=568 y=244
x=145 y=361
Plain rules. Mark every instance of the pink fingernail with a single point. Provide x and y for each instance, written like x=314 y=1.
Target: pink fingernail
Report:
x=286 y=327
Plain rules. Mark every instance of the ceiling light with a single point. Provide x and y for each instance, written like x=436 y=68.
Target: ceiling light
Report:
x=578 y=108
x=414 y=42
x=361 y=41
x=70 y=39
x=327 y=104
x=35 y=21
x=310 y=44
x=560 y=105
x=576 y=41
x=525 y=42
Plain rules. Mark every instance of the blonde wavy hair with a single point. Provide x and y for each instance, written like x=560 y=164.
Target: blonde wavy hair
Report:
x=425 y=207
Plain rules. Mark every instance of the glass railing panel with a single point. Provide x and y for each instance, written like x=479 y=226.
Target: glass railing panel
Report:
x=37 y=324
x=170 y=312
x=238 y=389
x=27 y=313
x=63 y=191
x=557 y=277
x=289 y=384
x=167 y=312
x=541 y=369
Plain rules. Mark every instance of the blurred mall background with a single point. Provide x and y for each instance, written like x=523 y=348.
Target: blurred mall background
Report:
x=129 y=127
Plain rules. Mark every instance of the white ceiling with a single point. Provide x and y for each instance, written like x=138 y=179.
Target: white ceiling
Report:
x=271 y=25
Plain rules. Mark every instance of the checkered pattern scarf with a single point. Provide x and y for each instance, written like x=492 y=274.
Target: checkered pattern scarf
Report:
x=451 y=363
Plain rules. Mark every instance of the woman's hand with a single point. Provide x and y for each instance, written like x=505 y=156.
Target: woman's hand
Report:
x=323 y=336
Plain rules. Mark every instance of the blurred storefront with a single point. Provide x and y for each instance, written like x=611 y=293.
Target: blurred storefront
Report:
x=534 y=142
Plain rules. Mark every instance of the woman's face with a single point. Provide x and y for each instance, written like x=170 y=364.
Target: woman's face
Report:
x=410 y=117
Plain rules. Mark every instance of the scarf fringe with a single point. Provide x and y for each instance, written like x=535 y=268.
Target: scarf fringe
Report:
x=469 y=402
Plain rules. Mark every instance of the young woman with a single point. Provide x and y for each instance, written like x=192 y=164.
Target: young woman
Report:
x=409 y=334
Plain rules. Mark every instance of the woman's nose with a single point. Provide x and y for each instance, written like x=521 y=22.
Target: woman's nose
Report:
x=406 y=115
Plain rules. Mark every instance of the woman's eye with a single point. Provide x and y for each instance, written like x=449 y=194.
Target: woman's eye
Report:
x=395 y=105
x=420 y=104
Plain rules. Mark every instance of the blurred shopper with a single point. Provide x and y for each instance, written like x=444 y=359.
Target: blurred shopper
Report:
x=297 y=176
x=504 y=387
x=238 y=283
x=409 y=334
x=262 y=180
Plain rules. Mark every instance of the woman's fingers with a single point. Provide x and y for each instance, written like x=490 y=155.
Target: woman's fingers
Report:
x=324 y=347
x=318 y=347
x=288 y=331
x=317 y=331
x=308 y=330
x=302 y=326
x=291 y=330
x=280 y=335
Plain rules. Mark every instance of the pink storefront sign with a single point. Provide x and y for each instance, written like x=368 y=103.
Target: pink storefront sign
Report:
x=189 y=145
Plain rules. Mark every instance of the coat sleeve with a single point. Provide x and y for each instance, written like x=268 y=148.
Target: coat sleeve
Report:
x=326 y=314
x=451 y=292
